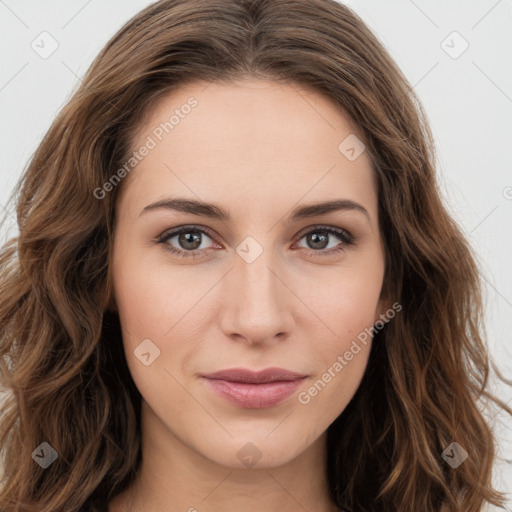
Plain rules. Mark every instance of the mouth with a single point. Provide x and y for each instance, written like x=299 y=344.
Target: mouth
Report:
x=254 y=390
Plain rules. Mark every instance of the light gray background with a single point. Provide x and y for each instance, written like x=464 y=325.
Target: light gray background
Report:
x=468 y=100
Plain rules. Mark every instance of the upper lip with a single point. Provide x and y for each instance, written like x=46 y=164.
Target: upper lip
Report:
x=255 y=377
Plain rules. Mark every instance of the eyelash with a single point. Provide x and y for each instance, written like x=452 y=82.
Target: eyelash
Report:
x=346 y=238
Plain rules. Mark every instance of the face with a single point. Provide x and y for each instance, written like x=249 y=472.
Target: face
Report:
x=256 y=280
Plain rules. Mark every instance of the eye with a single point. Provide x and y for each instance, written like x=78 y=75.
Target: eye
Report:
x=320 y=237
x=189 y=240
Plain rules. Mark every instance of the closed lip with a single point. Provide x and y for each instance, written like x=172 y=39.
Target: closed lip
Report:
x=255 y=377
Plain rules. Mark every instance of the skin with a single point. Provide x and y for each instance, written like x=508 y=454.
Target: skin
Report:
x=257 y=149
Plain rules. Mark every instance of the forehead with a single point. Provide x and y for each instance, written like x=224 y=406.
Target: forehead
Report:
x=253 y=138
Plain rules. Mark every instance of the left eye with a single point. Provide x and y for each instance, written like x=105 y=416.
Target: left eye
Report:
x=318 y=237
x=190 y=240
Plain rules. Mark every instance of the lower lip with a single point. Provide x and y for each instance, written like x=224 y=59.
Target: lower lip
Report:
x=254 y=396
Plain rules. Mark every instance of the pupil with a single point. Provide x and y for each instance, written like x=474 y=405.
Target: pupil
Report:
x=188 y=238
x=316 y=237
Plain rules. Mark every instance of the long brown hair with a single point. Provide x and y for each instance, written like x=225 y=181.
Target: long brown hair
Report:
x=63 y=365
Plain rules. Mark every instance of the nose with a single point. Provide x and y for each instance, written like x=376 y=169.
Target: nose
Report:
x=257 y=301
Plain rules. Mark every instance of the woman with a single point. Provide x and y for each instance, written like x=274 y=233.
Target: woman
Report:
x=323 y=352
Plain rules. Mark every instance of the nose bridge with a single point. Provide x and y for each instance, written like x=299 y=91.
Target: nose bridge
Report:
x=254 y=273
x=256 y=294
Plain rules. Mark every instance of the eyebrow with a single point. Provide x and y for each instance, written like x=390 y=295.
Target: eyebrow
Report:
x=213 y=211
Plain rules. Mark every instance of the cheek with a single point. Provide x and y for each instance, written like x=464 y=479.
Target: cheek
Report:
x=157 y=303
x=346 y=308
x=148 y=310
x=347 y=302
x=150 y=297
x=341 y=355
x=138 y=296
x=327 y=395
